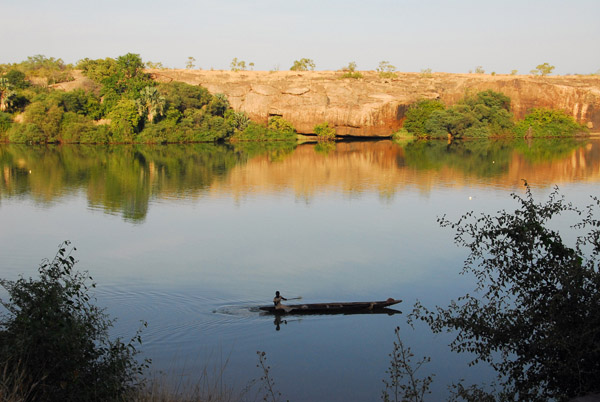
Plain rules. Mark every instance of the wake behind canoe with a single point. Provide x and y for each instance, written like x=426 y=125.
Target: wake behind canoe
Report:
x=332 y=308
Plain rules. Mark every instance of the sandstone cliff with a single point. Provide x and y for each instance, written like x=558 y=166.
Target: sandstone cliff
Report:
x=373 y=106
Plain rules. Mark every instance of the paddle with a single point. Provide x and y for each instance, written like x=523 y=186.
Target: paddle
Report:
x=295 y=298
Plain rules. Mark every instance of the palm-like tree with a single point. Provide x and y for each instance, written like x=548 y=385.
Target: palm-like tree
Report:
x=151 y=103
x=6 y=94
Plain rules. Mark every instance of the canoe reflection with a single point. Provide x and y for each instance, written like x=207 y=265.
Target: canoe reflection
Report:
x=280 y=318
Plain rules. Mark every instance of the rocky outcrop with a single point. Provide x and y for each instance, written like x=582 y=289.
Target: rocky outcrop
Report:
x=373 y=106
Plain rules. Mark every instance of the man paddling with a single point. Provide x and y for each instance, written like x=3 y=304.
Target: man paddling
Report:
x=277 y=300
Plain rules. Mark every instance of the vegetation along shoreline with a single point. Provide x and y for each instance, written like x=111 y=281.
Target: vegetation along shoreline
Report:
x=109 y=101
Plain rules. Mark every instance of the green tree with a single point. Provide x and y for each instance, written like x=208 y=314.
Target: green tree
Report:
x=7 y=94
x=303 y=65
x=125 y=121
x=151 y=103
x=57 y=339
x=386 y=70
x=543 y=122
x=418 y=114
x=324 y=132
x=534 y=315
x=190 y=63
x=238 y=65
x=543 y=69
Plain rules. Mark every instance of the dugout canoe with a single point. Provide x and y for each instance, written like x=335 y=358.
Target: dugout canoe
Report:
x=333 y=307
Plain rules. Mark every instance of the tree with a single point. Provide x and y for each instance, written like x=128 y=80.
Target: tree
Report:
x=7 y=94
x=386 y=70
x=238 y=65
x=535 y=313
x=190 y=63
x=543 y=69
x=303 y=65
x=56 y=339
x=150 y=103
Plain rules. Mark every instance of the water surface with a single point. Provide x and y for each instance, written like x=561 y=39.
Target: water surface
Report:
x=192 y=238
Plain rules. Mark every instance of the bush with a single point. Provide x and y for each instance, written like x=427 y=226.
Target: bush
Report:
x=535 y=313
x=324 y=131
x=125 y=121
x=350 y=71
x=548 y=123
x=182 y=96
x=5 y=124
x=386 y=70
x=56 y=335
x=418 y=114
x=483 y=115
x=277 y=131
x=278 y=123
x=303 y=65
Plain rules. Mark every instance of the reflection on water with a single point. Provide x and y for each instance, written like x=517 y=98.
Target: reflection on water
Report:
x=124 y=179
x=193 y=238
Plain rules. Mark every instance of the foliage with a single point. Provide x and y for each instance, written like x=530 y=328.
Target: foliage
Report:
x=7 y=94
x=189 y=64
x=426 y=73
x=238 y=65
x=350 y=71
x=50 y=69
x=543 y=69
x=182 y=96
x=386 y=70
x=418 y=114
x=5 y=124
x=256 y=132
x=403 y=383
x=150 y=103
x=535 y=315
x=483 y=115
x=548 y=123
x=303 y=65
x=324 y=132
x=59 y=338
x=239 y=120
x=268 y=383
x=479 y=70
x=17 y=79
x=218 y=105
x=98 y=70
x=125 y=121
x=278 y=123
x=46 y=114
x=514 y=72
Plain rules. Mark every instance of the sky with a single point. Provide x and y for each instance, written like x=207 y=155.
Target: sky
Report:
x=453 y=36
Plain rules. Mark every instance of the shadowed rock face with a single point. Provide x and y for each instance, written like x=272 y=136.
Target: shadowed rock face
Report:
x=373 y=106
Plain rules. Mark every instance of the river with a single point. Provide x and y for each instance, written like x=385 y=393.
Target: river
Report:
x=192 y=238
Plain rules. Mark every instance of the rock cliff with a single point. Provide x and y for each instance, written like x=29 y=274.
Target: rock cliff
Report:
x=373 y=106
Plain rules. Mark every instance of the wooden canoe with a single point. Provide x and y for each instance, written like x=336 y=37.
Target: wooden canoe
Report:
x=333 y=308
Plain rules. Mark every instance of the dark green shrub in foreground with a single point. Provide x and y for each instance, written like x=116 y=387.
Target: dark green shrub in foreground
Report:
x=278 y=123
x=548 y=123
x=256 y=132
x=534 y=315
x=57 y=338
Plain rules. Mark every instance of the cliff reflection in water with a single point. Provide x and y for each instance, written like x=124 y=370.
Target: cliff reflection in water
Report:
x=123 y=179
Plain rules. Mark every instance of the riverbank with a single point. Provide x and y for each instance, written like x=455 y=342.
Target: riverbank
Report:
x=375 y=106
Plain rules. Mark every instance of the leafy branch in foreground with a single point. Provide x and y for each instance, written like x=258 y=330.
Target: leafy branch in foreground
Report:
x=403 y=383
x=535 y=315
x=57 y=339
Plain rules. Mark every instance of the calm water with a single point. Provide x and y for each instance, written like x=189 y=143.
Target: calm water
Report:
x=192 y=238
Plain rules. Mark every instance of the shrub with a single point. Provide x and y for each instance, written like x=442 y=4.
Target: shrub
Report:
x=218 y=105
x=350 y=71
x=125 y=121
x=324 y=131
x=303 y=65
x=548 y=123
x=256 y=132
x=543 y=69
x=238 y=120
x=386 y=70
x=278 y=123
x=418 y=113
x=5 y=124
x=56 y=335
x=182 y=96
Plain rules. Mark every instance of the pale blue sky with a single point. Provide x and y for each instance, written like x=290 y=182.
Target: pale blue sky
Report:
x=452 y=36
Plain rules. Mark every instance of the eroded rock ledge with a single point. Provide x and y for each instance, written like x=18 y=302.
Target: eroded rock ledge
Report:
x=373 y=106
